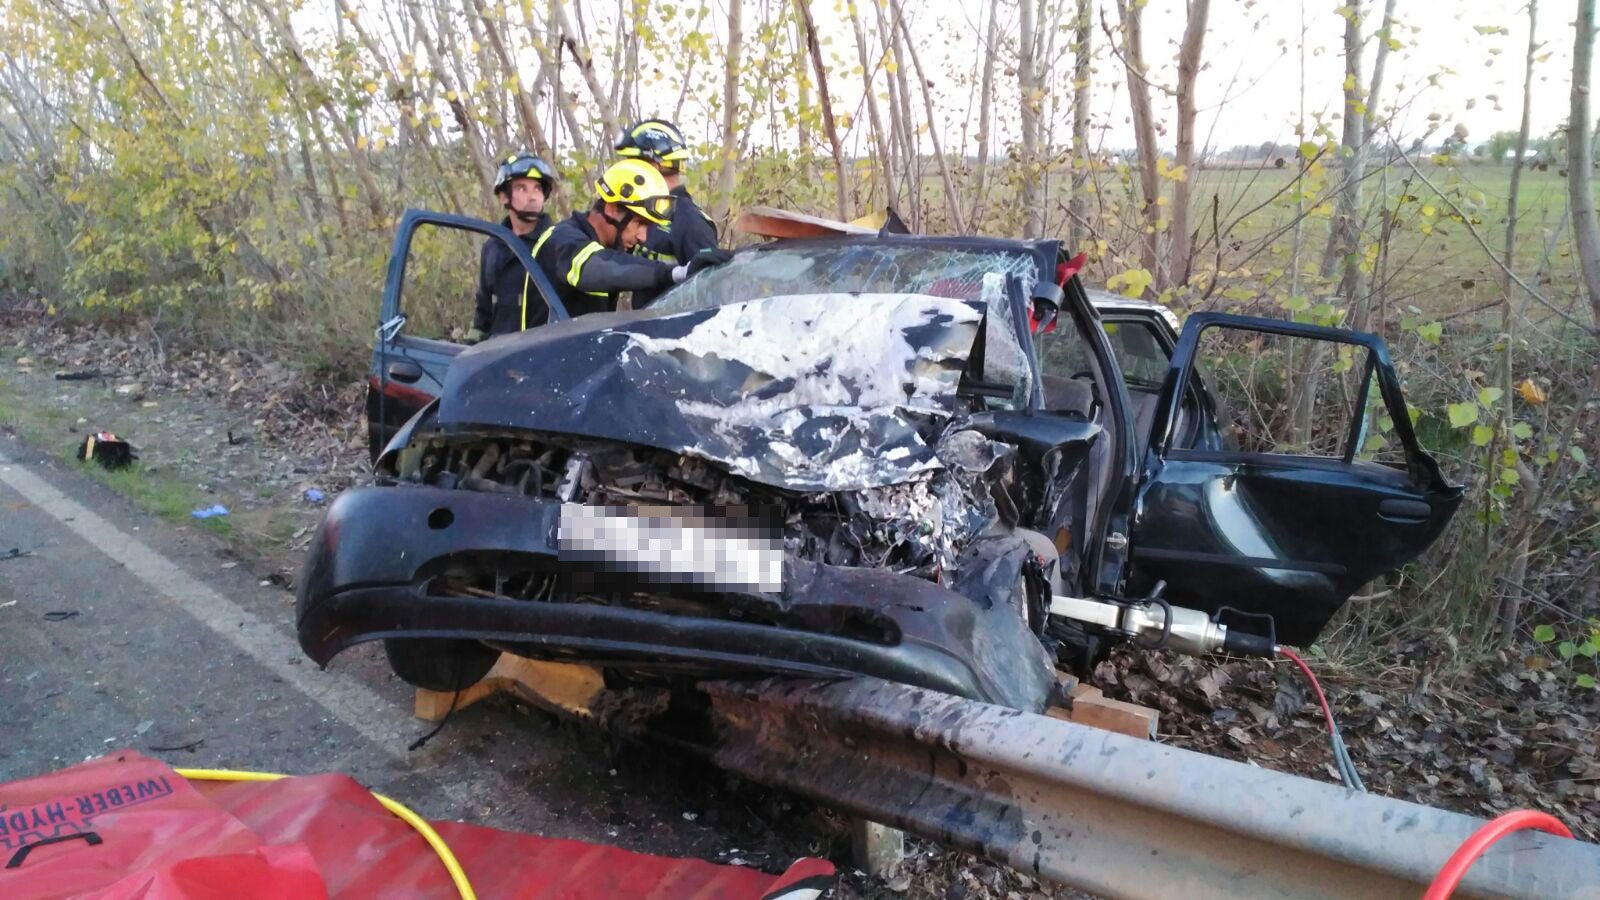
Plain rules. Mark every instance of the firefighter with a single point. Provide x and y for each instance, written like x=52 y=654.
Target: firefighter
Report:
x=660 y=143
x=589 y=256
x=507 y=300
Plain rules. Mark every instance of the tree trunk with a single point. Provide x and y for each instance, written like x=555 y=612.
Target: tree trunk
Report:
x=549 y=48
x=814 y=47
x=986 y=115
x=469 y=134
x=803 y=88
x=1580 y=158
x=880 y=137
x=900 y=113
x=585 y=61
x=526 y=114
x=1511 y=602
x=1344 y=235
x=1179 y=262
x=950 y=195
x=491 y=98
x=1078 y=206
x=1028 y=87
x=369 y=184
x=1144 y=128
x=730 y=109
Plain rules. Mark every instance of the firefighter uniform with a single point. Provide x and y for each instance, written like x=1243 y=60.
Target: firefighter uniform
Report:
x=507 y=300
x=588 y=276
x=690 y=231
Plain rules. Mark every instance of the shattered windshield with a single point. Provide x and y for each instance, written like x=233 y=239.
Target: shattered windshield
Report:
x=875 y=268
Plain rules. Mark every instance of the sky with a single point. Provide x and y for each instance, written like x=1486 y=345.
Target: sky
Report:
x=1266 y=61
x=1254 y=63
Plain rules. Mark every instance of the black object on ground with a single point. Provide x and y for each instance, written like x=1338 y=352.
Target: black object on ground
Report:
x=108 y=450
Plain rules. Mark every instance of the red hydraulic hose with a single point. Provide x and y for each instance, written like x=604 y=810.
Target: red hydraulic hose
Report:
x=1472 y=848
x=1327 y=711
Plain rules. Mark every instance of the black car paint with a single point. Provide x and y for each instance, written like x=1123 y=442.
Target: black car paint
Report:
x=1289 y=536
x=409 y=371
x=1152 y=492
x=377 y=549
x=593 y=377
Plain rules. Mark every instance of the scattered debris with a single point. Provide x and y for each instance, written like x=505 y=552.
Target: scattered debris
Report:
x=189 y=747
x=60 y=615
x=84 y=375
x=16 y=553
x=210 y=512
x=315 y=496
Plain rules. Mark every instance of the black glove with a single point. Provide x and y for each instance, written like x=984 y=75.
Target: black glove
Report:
x=474 y=335
x=708 y=258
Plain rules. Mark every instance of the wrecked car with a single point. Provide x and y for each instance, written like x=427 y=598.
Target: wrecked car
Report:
x=883 y=454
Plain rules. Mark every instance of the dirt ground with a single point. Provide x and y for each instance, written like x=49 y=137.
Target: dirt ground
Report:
x=256 y=437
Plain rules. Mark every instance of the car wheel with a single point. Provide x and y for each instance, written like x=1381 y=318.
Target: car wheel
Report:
x=439 y=664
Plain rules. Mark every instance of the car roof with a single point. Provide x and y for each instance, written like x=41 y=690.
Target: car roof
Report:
x=1107 y=302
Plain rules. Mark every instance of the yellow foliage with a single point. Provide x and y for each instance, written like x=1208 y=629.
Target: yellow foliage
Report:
x=1131 y=282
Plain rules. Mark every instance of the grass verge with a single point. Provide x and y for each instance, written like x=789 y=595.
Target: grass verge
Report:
x=162 y=494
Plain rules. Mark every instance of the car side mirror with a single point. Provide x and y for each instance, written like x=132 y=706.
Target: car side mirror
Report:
x=1045 y=309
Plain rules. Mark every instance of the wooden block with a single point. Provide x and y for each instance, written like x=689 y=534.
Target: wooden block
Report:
x=567 y=685
x=877 y=849
x=1092 y=708
x=435 y=705
x=564 y=685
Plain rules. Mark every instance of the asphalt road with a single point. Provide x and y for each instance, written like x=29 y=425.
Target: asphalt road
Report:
x=118 y=630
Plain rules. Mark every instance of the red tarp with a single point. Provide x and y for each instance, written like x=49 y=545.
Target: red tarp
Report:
x=126 y=826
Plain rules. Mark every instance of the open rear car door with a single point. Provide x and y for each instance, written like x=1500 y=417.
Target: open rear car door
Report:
x=1291 y=517
x=411 y=350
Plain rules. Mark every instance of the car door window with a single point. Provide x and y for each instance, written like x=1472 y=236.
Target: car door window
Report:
x=441 y=281
x=1139 y=352
x=1295 y=517
x=1135 y=344
x=1292 y=395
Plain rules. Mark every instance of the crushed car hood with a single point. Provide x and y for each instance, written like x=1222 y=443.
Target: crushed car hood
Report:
x=815 y=392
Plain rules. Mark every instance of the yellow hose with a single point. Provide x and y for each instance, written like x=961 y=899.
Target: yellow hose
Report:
x=457 y=875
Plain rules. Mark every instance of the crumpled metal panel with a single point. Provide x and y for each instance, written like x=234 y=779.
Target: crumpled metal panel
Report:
x=375 y=545
x=823 y=392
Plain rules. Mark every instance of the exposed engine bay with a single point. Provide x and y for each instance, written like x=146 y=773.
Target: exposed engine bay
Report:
x=918 y=527
x=934 y=526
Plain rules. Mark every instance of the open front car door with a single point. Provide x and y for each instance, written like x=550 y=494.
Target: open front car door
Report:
x=1319 y=485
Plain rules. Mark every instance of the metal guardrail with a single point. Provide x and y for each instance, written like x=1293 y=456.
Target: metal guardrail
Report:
x=1093 y=809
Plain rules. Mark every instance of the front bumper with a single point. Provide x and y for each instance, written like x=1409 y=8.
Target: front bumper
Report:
x=370 y=561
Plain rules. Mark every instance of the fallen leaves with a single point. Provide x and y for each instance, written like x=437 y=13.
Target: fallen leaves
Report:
x=1479 y=742
x=1531 y=392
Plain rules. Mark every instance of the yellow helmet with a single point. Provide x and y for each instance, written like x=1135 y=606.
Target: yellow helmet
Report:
x=636 y=186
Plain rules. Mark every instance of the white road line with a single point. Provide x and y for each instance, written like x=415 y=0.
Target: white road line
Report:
x=362 y=709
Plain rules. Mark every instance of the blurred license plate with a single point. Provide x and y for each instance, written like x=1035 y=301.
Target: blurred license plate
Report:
x=731 y=549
